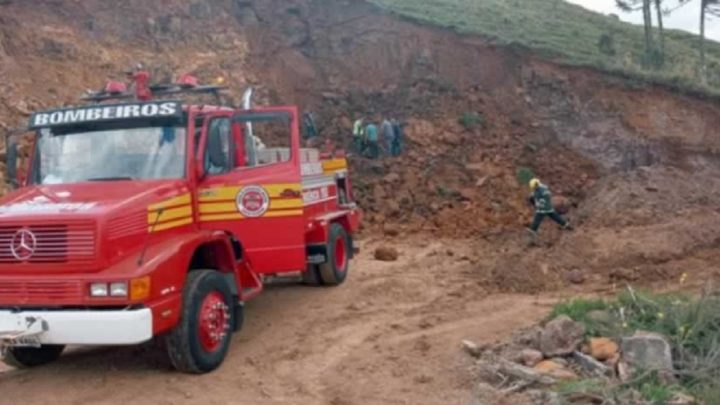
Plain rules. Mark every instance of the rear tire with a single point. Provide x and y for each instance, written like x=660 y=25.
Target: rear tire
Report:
x=25 y=357
x=334 y=271
x=200 y=341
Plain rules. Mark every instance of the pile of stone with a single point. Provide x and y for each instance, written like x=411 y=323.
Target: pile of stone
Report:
x=559 y=351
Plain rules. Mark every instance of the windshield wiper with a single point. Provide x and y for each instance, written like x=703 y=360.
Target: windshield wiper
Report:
x=110 y=179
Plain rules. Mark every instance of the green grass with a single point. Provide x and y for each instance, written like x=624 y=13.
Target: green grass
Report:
x=578 y=309
x=691 y=324
x=569 y=34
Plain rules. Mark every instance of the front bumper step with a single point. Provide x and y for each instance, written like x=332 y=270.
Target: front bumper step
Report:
x=75 y=327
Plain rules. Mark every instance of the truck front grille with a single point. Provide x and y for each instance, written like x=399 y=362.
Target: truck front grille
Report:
x=40 y=292
x=63 y=243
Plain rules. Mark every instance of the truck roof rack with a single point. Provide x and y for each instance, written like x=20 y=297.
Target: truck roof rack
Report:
x=142 y=91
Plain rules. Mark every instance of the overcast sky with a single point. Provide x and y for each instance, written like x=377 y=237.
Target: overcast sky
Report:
x=686 y=18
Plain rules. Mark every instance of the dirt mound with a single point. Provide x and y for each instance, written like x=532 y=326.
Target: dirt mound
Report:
x=652 y=224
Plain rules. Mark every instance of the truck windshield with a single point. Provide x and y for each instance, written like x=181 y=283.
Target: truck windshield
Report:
x=148 y=153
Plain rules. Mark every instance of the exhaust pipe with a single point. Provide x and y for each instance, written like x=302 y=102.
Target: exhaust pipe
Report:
x=250 y=143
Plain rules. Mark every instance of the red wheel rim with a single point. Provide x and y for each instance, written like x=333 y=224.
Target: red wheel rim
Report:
x=340 y=254
x=213 y=322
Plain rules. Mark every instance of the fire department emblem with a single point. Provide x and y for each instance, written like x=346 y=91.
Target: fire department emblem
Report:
x=23 y=244
x=252 y=201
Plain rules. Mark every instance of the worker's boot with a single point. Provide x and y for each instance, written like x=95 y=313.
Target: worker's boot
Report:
x=567 y=226
x=532 y=238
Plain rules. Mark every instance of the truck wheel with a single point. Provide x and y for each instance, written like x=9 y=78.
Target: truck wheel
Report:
x=24 y=357
x=334 y=270
x=200 y=342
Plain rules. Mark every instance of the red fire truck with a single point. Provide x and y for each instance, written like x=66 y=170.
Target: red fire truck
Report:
x=141 y=217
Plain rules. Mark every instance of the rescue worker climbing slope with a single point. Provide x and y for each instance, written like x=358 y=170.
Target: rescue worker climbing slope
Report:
x=359 y=135
x=388 y=134
x=541 y=199
x=371 y=134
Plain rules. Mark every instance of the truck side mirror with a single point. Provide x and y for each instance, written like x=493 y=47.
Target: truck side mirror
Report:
x=11 y=154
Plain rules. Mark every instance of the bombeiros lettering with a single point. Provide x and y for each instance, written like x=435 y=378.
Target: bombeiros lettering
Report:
x=105 y=113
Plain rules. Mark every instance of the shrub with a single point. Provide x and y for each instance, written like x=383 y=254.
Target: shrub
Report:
x=606 y=45
x=524 y=175
x=471 y=120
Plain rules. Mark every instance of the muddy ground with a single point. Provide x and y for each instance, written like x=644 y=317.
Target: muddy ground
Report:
x=390 y=335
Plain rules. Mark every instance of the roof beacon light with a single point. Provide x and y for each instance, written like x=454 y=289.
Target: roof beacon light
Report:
x=188 y=80
x=115 y=88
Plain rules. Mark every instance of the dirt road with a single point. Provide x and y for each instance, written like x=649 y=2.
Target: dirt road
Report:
x=390 y=335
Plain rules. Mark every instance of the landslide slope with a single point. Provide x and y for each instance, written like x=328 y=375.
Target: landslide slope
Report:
x=636 y=161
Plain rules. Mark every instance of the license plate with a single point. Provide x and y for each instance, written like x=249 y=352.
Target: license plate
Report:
x=21 y=331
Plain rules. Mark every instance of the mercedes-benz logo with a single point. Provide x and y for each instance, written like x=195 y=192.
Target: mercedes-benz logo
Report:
x=23 y=244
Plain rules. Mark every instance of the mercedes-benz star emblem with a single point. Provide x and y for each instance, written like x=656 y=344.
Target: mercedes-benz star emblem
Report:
x=23 y=244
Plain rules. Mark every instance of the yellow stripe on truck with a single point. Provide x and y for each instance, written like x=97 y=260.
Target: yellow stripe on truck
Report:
x=231 y=192
x=170 y=225
x=284 y=204
x=220 y=217
x=166 y=215
x=276 y=190
x=212 y=208
x=218 y=194
x=334 y=164
x=172 y=202
x=289 y=213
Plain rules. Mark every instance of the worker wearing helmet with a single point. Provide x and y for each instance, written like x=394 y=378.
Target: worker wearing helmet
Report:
x=541 y=199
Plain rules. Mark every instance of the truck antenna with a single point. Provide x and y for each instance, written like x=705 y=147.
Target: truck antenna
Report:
x=141 y=259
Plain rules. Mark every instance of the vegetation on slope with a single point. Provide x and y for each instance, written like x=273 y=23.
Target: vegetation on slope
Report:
x=571 y=34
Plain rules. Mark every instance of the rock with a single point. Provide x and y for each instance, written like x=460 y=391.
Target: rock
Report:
x=392 y=178
x=602 y=318
x=21 y=107
x=575 y=276
x=603 y=348
x=391 y=230
x=562 y=205
x=531 y=357
x=392 y=208
x=591 y=365
x=623 y=274
x=561 y=336
x=541 y=397
x=623 y=371
x=645 y=351
x=613 y=361
x=386 y=254
x=472 y=348
x=555 y=370
x=682 y=399
x=530 y=337
x=201 y=9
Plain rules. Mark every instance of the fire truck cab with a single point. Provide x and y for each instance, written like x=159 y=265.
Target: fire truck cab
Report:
x=153 y=218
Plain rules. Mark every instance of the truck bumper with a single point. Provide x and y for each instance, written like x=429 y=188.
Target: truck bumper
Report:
x=75 y=327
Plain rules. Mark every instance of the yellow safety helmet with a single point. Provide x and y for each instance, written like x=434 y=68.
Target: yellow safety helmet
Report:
x=534 y=183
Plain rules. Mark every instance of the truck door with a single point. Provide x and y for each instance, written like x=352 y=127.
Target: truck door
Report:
x=250 y=185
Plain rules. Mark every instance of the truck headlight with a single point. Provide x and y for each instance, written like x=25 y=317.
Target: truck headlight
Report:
x=98 y=290
x=119 y=289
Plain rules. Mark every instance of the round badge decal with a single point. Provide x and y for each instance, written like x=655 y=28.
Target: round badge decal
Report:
x=252 y=201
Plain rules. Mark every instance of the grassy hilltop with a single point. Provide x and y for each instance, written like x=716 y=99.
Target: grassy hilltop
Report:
x=569 y=34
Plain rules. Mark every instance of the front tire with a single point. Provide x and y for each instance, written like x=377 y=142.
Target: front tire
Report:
x=26 y=357
x=334 y=270
x=200 y=341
